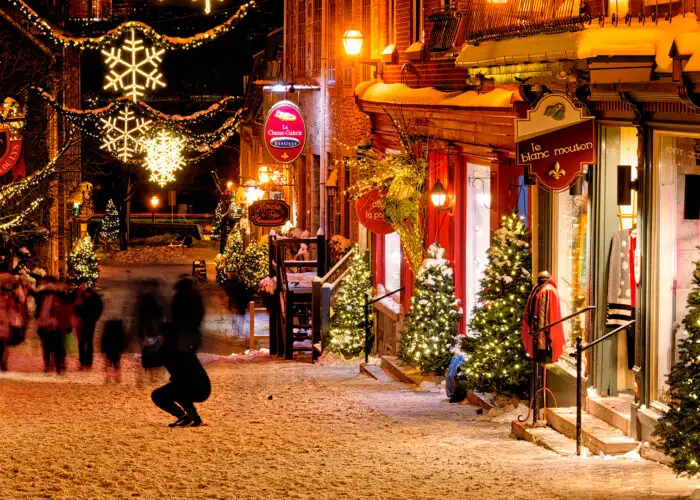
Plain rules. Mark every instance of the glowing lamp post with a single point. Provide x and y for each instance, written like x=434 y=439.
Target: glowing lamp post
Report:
x=154 y=204
x=352 y=42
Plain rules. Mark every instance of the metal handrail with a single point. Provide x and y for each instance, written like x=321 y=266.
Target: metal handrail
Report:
x=367 y=324
x=562 y=320
x=580 y=348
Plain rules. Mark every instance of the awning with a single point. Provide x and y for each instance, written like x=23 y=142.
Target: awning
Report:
x=398 y=94
x=653 y=41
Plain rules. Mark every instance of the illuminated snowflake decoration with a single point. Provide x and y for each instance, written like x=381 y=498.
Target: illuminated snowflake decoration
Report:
x=123 y=134
x=164 y=156
x=133 y=67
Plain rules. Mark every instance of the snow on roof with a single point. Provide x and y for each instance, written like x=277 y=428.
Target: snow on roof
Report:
x=400 y=94
x=595 y=41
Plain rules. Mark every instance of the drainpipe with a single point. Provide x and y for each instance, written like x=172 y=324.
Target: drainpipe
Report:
x=323 y=171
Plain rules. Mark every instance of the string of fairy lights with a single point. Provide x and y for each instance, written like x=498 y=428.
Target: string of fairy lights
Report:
x=128 y=128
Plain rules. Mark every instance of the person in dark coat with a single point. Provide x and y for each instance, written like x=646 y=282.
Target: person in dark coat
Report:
x=87 y=310
x=189 y=382
x=53 y=313
x=113 y=345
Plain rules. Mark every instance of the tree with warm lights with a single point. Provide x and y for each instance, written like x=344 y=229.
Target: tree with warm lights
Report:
x=679 y=429
x=110 y=222
x=432 y=321
x=82 y=263
x=219 y=213
x=231 y=261
x=347 y=337
x=495 y=358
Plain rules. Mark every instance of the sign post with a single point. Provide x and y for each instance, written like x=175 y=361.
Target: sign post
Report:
x=555 y=141
x=172 y=194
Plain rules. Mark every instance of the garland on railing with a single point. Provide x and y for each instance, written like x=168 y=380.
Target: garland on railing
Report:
x=58 y=37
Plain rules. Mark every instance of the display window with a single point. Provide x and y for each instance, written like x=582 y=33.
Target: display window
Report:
x=392 y=262
x=676 y=236
x=478 y=233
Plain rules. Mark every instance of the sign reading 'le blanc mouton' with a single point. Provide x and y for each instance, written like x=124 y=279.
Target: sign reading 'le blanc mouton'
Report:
x=284 y=132
x=556 y=140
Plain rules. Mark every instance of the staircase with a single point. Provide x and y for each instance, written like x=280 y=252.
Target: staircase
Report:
x=604 y=428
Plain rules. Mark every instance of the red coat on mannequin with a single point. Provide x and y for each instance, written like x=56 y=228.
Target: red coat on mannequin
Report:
x=543 y=303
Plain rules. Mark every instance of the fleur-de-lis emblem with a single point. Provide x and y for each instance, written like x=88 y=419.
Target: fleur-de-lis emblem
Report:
x=557 y=171
x=285 y=156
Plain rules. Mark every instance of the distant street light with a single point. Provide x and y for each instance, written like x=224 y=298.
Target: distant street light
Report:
x=154 y=205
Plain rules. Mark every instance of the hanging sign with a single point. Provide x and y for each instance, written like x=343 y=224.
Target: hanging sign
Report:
x=269 y=213
x=284 y=132
x=371 y=213
x=555 y=141
x=10 y=149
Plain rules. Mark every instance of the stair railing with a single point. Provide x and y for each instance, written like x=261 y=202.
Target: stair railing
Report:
x=580 y=348
x=323 y=288
x=367 y=324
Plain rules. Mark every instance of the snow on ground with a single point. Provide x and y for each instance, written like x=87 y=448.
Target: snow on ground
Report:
x=285 y=430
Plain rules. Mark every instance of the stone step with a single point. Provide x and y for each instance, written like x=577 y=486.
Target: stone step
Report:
x=546 y=437
x=596 y=435
x=612 y=410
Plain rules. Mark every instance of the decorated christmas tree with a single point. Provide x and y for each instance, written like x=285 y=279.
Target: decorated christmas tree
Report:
x=495 y=358
x=432 y=321
x=347 y=337
x=82 y=263
x=218 y=216
x=110 y=222
x=679 y=429
x=231 y=261
x=254 y=265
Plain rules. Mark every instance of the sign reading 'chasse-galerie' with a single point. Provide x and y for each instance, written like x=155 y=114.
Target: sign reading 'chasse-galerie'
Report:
x=284 y=132
x=556 y=140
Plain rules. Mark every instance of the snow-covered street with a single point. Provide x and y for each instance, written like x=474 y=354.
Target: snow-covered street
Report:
x=284 y=430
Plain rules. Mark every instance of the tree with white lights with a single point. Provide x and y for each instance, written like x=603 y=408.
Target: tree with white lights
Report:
x=110 y=222
x=432 y=321
x=347 y=337
x=82 y=263
x=495 y=358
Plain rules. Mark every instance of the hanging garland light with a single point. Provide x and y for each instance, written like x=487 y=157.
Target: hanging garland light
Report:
x=164 y=155
x=58 y=37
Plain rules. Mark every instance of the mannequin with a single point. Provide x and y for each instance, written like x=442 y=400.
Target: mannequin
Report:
x=544 y=307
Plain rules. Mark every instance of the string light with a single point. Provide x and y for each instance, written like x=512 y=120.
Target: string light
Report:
x=57 y=36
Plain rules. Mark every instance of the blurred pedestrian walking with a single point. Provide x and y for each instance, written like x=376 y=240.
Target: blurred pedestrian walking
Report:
x=5 y=302
x=87 y=311
x=113 y=345
x=54 y=311
x=149 y=314
x=189 y=382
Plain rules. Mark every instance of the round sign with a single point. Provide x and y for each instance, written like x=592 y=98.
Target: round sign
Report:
x=284 y=132
x=369 y=211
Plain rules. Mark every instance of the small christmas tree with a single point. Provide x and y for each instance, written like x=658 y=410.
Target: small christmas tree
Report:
x=347 y=337
x=432 y=321
x=679 y=429
x=254 y=265
x=218 y=216
x=496 y=360
x=110 y=223
x=231 y=260
x=82 y=263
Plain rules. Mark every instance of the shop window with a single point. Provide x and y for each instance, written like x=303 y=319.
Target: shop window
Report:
x=330 y=74
x=392 y=262
x=317 y=32
x=417 y=20
x=301 y=37
x=391 y=22
x=572 y=255
x=367 y=33
x=478 y=233
x=677 y=239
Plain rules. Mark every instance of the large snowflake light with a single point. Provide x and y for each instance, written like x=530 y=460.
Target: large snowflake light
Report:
x=133 y=67
x=123 y=134
x=164 y=156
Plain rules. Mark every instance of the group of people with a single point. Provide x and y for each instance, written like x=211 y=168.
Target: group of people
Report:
x=59 y=310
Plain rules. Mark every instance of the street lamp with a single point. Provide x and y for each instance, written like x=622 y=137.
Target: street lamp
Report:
x=154 y=204
x=263 y=175
x=352 y=41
